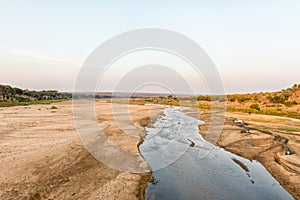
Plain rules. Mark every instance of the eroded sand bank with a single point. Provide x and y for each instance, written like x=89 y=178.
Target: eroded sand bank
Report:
x=42 y=156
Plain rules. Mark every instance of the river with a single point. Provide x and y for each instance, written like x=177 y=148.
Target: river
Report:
x=203 y=171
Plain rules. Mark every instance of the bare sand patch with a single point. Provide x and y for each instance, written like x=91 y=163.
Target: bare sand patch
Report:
x=42 y=156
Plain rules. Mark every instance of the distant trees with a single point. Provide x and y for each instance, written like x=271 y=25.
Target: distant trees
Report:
x=10 y=94
x=220 y=98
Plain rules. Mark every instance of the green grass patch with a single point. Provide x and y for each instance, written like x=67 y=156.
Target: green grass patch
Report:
x=265 y=112
x=289 y=129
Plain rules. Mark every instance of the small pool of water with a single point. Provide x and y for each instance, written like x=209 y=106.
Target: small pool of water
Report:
x=203 y=171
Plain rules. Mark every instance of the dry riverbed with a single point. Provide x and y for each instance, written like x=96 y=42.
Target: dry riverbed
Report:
x=42 y=156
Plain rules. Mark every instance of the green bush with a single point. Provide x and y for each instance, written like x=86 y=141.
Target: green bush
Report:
x=290 y=103
x=204 y=98
x=232 y=99
x=255 y=106
x=277 y=99
x=53 y=107
x=243 y=99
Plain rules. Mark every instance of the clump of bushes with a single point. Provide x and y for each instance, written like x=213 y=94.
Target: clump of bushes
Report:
x=276 y=99
x=204 y=98
x=283 y=98
x=243 y=99
x=255 y=106
x=290 y=103
x=296 y=87
x=232 y=99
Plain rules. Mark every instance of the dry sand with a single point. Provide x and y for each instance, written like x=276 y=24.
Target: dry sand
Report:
x=42 y=156
x=260 y=145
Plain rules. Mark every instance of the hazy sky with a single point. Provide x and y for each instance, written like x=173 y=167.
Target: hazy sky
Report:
x=255 y=44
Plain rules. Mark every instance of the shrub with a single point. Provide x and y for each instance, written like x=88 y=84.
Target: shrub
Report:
x=243 y=99
x=204 y=98
x=255 y=106
x=53 y=107
x=295 y=86
x=277 y=99
x=232 y=99
x=290 y=103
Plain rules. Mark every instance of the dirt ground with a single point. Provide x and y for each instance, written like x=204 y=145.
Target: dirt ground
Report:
x=42 y=156
x=267 y=142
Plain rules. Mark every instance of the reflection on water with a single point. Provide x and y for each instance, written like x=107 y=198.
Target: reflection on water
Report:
x=182 y=172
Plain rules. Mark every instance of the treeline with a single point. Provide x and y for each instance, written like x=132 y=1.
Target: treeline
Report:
x=89 y=95
x=10 y=94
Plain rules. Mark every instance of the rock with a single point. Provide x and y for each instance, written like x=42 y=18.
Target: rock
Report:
x=288 y=152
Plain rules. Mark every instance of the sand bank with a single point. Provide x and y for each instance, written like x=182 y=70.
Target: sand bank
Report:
x=42 y=156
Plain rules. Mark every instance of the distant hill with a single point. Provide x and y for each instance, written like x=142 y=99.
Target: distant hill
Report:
x=285 y=98
x=15 y=96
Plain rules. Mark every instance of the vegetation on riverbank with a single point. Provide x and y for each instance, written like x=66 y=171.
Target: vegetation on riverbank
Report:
x=11 y=96
x=282 y=103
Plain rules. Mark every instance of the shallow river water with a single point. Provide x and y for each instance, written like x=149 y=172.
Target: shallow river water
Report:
x=203 y=171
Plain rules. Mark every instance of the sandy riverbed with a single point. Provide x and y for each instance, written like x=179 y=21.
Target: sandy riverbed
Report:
x=263 y=147
x=42 y=156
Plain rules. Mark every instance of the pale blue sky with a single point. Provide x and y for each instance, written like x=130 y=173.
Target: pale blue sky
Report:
x=254 y=44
